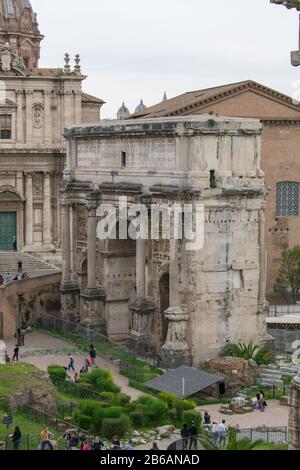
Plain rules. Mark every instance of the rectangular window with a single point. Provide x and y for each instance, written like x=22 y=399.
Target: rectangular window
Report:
x=5 y=126
x=287 y=199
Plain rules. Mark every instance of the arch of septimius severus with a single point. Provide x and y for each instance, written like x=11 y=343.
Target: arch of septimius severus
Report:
x=36 y=104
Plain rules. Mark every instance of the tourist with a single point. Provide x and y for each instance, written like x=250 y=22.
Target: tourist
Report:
x=7 y=278
x=129 y=446
x=92 y=354
x=15 y=244
x=16 y=438
x=16 y=353
x=263 y=399
x=154 y=447
x=20 y=337
x=85 y=446
x=207 y=419
x=215 y=434
x=97 y=444
x=222 y=433
x=2 y=445
x=185 y=436
x=193 y=434
x=86 y=363
x=116 y=442
x=1 y=280
x=7 y=358
x=71 y=365
x=45 y=439
x=20 y=267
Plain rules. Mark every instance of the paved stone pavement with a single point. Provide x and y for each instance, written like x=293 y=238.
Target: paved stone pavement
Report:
x=41 y=350
x=275 y=415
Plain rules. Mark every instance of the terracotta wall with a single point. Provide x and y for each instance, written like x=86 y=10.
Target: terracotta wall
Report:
x=24 y=301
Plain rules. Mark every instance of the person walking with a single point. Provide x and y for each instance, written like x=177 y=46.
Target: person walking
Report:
x=16 y=438
x=222 y=433
x=45 y=439
x=15 y=245
x=20 y=267
x=154 y=447
x=185 y=436
x=93 y=354
x=97 y=444
x=71 y=365
x=193 y=434
x=16 y=354
x=215 y=434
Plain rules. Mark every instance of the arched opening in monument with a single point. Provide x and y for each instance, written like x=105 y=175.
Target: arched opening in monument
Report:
x=164 y=290
x=119 y=280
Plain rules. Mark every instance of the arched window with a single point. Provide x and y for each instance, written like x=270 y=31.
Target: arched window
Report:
x=287 y=199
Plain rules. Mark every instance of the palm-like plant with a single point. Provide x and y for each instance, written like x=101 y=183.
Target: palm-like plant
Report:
x=232 y=443
x=249 y=351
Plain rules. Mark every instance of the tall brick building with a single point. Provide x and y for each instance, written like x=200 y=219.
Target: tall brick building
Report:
x=280 y=116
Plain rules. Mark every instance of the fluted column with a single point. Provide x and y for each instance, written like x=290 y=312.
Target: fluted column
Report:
x=174 y=276
x=29 y=115
x=47 y=213
x=20 y=120
x=140 y=268
x=92 y=251
x=66 y=243
x=29 y=209
x=48 y=117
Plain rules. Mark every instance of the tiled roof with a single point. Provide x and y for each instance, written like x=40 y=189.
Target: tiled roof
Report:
x=184 y=104
x=86 y=98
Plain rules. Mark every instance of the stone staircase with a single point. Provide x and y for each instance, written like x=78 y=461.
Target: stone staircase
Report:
x=274 y=375
x=31 y=265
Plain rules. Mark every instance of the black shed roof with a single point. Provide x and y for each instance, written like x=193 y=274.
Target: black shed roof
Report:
x=184 y=381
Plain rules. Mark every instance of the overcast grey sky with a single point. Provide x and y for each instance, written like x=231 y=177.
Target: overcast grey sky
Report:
x=133 y=49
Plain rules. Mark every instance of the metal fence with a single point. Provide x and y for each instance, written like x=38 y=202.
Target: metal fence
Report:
x=135 y=367
x=277 y=435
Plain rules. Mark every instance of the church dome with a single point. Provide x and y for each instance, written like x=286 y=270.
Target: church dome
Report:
x=19 y=28
x=14 y=8
x=123 y=112
x=140 y=107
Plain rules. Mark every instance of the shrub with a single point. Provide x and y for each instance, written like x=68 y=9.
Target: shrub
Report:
x=103 y=381
x=249 y=351
x=118 y=426
x=144 y=400
x=172 y=415
x=83 y=421
x=113 y=412
x=98 y=417
x=157 y=411
x=56 y=373
x=89 y=407
x=118 y=399
x=85 y=390
x=192 y=415
x=136 y=418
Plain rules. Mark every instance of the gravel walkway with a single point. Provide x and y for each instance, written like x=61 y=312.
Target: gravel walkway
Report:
x=41 y=350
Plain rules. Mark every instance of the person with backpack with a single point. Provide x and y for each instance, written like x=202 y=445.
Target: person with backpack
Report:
x=185 y=436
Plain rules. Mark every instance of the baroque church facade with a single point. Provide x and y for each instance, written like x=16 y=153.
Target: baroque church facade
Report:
x=36 y=104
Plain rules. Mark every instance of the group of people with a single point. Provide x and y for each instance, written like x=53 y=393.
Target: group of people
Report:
x=8 y=277
x=189 y=435
x=261 y=401
x=89 y=361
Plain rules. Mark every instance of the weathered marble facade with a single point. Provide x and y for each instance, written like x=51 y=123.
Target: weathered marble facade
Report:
x=35 y=107
x=156 y=294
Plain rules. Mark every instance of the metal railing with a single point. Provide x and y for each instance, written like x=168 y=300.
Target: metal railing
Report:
x=274 y=435
x=136 y=368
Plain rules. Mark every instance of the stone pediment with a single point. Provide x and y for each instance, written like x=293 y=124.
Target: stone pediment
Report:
x=9 y=195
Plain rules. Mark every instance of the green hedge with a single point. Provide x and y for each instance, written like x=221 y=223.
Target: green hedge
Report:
x=115 y=427
x=57 y=373
x=190 y=416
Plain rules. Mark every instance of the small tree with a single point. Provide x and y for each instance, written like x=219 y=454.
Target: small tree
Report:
x=289 y=273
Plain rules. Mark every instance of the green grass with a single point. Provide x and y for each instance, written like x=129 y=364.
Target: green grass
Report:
x=16 y=377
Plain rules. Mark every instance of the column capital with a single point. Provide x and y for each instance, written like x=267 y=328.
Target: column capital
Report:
x=29 y=91
x=19 y=92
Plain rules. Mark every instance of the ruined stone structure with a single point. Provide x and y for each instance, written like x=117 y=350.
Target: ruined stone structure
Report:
x=294 y=415
x=35 y=106
x=158 y=294
x=280 y=116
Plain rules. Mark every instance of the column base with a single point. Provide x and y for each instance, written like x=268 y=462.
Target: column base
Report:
x=172 y=358
x=92 y=313
x=69 y=301
x=140 y=345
